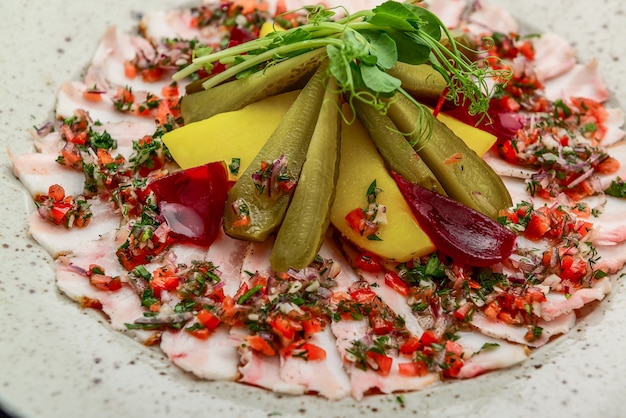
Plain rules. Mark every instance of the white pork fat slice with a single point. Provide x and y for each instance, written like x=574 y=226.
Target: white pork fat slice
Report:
x=351 y=6
x=614 y=128
x=397 y=302
x=482 y=354
x=449 y=12
x=583 y=80
x=215 y=358
x=609 y=227
x=553 y=56
x=488 y=19
x=326 y=377
x=58 y=240
x=114 y=50
x=227 y=254
x=126 y=132
x=517 y=334
x=177 y=24
x=122 y=306
x=260 y=370
x=38 y=172
x=612 y=257
x=51 y=143
x=70 y=99
x=558 y=304
x=363 y=381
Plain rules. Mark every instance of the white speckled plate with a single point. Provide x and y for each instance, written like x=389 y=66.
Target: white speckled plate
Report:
x=59 y=361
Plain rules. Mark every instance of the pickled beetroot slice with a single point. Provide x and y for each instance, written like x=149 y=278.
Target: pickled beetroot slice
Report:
x=465 y=235
x=192 y=202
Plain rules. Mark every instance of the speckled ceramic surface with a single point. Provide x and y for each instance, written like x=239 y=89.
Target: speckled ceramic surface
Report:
x=59 y=361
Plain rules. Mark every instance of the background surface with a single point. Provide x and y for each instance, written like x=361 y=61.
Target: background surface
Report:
x=59 y=361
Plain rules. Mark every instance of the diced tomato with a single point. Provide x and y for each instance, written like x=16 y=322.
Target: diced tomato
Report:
x=104 y=157
x=92 y=96
x=260 y=344
x=151 y=75
x=71 y=159
x=396 y=283
x=382 y=361
x=59 y=211
x=410 y=346
x=284 y=326
x=413 y=369
x=379 y=324
x=583 y=228
x=218 y=295
x=368 y=262
x=200 y=333
x=464 y=312
x=56 y=192
x=170 y=91
x=572 y=269
x=130 y=70
x=104 y=282
x=164 y=279
x=312 y=325
x=454 y=364
x=124 y=95
x=86 y=302
x=607 y=166
x=363 y=295
x=454 y=158
x=428 y=338
x=537 y=226
x=243 y=288
x=356 y=219
x=527 y=50
x=492 y=310
x=308 y=351
x=241 y=221
x=287 y=185
x=208 y=319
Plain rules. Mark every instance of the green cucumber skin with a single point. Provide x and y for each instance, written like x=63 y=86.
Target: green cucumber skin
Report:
x=305 y=224
x=286 y=76
x=291 y=139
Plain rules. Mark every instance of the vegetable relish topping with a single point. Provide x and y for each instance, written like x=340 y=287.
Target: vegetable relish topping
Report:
x=405 y=318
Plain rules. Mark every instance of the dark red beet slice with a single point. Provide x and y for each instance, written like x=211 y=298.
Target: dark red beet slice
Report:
x=468 y=236
x=192 y=201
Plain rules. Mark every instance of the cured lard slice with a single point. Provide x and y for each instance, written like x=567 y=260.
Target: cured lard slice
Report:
x=39 y=171
x=215 y=358
x=325 y=377
x=58 y=240
x=517 y=334
x=482 y=354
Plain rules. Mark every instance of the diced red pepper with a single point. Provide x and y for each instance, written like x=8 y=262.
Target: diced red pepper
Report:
x=104 y=282
x=355 y=219
x=200 y=333
x=208 y=319
x=260 y=344
x=312 y=325
x=463 y=312
x=382 y=361
x=363 y=295
x=413 y=369
x=284 y=326
x=396 y=283
x=428 y=338
x=59 y=211
x=410 y=346
x=368 y=262
x=379 y=324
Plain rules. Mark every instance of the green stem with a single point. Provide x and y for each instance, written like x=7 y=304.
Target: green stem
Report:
x=199 y=62
x=255 y=60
